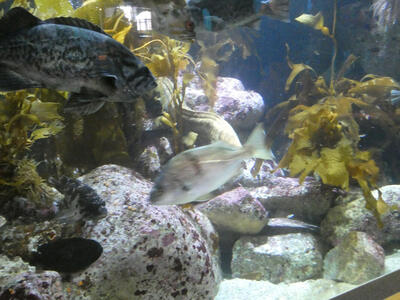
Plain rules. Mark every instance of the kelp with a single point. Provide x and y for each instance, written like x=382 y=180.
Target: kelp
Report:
x=24 y=119
x=91 y=10
x=218 y=47
x=322 y=127
x=29 y=115
x=46 y=9
x=166 y=57
x=108 y=142
x=95 y=11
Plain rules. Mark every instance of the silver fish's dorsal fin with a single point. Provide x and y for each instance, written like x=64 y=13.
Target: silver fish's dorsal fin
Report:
x=75 y=22
x=17 y=19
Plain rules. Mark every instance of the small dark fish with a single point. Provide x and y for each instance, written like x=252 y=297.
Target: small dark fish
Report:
x=69 y=54
x=67 y=255
x=80 y=201
x=215 y=15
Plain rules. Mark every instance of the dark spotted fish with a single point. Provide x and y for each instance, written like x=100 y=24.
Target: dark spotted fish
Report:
x=67 y=255
x=80 y=202
x=69 y=54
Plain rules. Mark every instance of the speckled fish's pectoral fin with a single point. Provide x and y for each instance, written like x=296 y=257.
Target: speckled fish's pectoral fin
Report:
x=84 y=108
x=11 y=81
x=101 y=73
x=83 y=104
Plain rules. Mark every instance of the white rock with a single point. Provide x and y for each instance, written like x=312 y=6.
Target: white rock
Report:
x=149 y=252
x=280 y=258
x=320 y=289
x=356 y=259
x=353 y=216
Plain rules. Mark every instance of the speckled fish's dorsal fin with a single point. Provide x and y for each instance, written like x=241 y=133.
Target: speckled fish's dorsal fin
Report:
x=76 y=22
x=17 y=19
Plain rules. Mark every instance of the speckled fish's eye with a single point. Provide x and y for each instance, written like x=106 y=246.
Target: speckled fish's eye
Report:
x=189 y=25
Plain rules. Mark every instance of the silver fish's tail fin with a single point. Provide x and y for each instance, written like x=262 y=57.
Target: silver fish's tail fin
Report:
x=256 y=142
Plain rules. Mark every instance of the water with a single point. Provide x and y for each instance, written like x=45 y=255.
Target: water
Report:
x=85 y=161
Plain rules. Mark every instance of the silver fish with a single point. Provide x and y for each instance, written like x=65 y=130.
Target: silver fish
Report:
x=69 y=54
x=194 y=173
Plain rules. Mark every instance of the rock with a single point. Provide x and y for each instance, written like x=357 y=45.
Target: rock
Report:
x=229 y=84
x=149 y=162
x=356 y=259
x=36 y=286
x=246 y=179
x=353 y=216
x=281 y=258
x=240 y=108
x=282 y=196
x=149 y=252
x=392 y=261
x=319 y=289
x=30 y=210
x=235 y=211
x=18 y=280
x=9 y=268
x=375 y=48
x=22 y=239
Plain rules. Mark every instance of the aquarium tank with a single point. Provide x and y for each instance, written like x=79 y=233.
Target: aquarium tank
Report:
x=199 y=149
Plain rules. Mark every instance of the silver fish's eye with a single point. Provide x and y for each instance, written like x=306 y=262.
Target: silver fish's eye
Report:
x=185 y=188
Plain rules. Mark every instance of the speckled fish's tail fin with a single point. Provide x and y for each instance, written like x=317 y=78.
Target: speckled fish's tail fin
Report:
x=276 y=9
x=256 y=142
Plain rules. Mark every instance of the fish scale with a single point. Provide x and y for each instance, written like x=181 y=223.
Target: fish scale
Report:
x=72 y=55
x=52 y=56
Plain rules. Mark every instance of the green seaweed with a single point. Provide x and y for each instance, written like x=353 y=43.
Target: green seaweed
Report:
x=24 y=119
x=322 y=127
x=166 y=57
